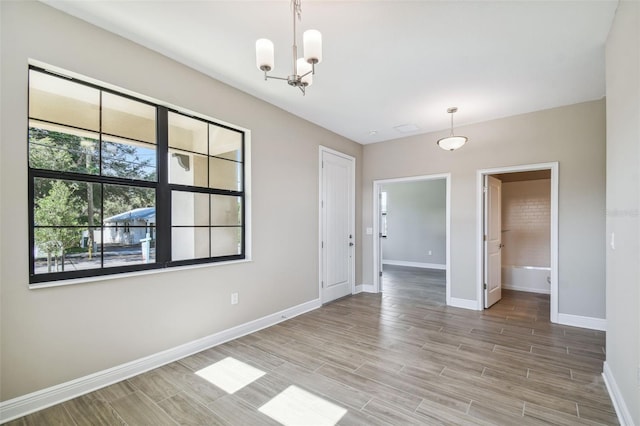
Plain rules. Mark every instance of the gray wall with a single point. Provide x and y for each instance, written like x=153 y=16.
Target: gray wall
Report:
x=416 y=222
x=54 y=335
x=623 y=204
x=572 y=135
x=526 y=223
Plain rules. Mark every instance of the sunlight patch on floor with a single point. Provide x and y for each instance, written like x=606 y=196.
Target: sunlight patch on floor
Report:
x=294 y=407
x=230 y=375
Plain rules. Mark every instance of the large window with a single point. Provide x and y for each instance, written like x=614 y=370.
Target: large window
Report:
x=119 y=184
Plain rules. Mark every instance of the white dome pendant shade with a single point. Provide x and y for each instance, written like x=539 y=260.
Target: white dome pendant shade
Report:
x=451 y=142
x=303 y=68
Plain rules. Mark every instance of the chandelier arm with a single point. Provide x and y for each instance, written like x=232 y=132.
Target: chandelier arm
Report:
x=273 y=77
x=306 y=74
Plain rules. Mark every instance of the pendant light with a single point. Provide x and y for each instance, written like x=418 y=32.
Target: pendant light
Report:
x=452 y=142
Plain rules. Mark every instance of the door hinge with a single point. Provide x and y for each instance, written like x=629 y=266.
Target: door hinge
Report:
x=380 y=273
x=485 y=189
x=322 y=284
x=321 y=244
x=485 y=286
x=485 y=237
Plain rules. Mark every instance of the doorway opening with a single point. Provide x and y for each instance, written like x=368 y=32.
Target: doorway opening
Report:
x=403 y=240
x=518 y=245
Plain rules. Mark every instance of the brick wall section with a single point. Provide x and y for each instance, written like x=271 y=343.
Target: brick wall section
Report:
x=526 y=222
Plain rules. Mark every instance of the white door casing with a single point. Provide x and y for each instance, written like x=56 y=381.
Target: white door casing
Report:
x=555 y=183
x=381 y=236
x=337 y=225
x=493 y=241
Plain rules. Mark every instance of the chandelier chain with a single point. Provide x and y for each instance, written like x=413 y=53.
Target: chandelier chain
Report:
x=296 y=7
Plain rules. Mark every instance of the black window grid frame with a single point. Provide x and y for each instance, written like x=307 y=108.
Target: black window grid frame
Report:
x=162 y=187
x=207 y=190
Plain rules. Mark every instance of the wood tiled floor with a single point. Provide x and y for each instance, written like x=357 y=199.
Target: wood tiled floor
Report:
x=402 y=357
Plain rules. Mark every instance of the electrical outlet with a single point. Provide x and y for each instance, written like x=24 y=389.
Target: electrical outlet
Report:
x=234 y=298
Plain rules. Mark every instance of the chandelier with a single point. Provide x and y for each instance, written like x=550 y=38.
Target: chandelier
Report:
x=452 y=142
x=303 y=68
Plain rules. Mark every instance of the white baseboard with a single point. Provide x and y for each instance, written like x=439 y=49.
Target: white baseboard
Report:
x=414 y=264
x=622 y=411
x=584 y=322
x=527 y=289
x=464 y=303
x=365 y=288
x=26 y=404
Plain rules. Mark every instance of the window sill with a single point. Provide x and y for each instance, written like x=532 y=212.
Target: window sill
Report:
x=125 y=275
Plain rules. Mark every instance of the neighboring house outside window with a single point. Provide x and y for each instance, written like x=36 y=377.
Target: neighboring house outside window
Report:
x=111 y=176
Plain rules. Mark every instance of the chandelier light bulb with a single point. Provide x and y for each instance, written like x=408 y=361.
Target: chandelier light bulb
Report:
x=312 y=41
x=264 y=54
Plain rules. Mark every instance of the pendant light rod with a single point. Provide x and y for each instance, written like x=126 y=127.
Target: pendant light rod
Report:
x=452 y=111
x=303 y=68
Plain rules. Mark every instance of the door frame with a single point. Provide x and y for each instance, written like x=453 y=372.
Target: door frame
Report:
x=480 y=174
x=352 y=218
x=377 y=185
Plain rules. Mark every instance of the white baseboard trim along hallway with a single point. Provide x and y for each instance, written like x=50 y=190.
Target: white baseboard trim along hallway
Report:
x=35 y=401
x=365 y=288
x=583 y=322
x=415 y=264
x=622 y=411
x=527 y=289
x=464 y=303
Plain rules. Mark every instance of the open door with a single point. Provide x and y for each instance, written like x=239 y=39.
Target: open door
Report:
x=492 y=241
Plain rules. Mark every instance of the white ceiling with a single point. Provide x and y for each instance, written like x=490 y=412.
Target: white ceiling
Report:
x=386 y=63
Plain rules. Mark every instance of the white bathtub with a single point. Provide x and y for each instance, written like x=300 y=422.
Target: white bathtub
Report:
x=535 y=279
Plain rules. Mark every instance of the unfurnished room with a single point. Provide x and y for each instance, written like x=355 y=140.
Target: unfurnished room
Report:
x=320 y=212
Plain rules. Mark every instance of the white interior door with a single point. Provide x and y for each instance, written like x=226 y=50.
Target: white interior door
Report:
x=337 y=225
x=493 y=241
